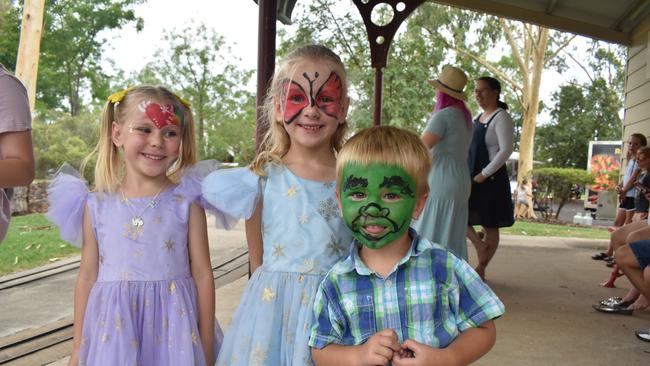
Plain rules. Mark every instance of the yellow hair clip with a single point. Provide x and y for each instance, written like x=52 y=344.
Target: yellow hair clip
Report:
x=184 y=102
x=119 y=96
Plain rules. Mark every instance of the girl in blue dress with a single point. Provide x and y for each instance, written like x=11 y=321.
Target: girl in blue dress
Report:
x=287 y=196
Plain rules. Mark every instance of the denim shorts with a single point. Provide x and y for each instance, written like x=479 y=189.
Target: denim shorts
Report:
x=641 y=250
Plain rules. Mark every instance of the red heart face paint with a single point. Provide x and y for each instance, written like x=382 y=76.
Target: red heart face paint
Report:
x=160 y=115
x=327 y=98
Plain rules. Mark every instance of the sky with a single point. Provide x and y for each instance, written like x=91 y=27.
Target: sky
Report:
x=237 y=23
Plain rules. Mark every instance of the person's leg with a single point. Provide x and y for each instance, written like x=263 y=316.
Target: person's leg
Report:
x=490 y=248
x=472 y=235
x=629 y=214
x=619 y=236
x=631 y=266
x=620 y=217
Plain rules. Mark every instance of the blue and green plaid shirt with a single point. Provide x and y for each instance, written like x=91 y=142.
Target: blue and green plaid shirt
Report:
x=431 y=296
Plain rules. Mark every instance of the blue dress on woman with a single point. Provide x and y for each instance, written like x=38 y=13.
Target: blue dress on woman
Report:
x=444 y=218
x=303 y=237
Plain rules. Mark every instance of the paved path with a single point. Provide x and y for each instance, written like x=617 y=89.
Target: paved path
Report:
x=548 y=286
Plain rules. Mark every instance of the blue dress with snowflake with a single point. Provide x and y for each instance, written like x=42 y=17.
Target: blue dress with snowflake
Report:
x=304 y=236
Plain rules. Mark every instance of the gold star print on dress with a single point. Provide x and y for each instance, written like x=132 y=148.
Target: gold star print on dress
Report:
x=172 y=287
x=258 y=355
x=268 y=294
x=291 y=192
x=169 y=245
x=278 y=251
x=335 y=246
x=303 y=219
x=194 y=337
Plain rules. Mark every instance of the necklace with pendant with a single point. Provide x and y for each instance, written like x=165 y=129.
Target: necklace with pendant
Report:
x=136 y=220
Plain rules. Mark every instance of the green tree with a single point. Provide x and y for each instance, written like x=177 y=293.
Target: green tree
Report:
x=64 y=139
x=407 y=97
x=201 y=68
x=554 y=186
x=71 y=49
x=582 y=112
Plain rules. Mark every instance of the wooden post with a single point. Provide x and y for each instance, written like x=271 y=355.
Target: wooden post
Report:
x=30 y=46
x=266 y=33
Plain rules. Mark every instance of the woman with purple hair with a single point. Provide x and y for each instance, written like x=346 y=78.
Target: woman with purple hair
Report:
x=448 y=135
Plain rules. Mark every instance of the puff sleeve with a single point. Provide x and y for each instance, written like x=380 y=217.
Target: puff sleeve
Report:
x=67 y=194
x=234 y=191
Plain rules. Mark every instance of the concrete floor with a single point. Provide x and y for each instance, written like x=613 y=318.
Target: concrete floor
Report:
x=548 y=286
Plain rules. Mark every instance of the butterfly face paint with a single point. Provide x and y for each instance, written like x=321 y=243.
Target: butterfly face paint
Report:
x=325 y=95
x=161 y=115
x=377 y=202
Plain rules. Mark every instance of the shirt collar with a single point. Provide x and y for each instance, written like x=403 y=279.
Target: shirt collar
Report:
x=416 y=248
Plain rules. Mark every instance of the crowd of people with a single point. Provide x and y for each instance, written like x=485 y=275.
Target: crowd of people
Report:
x=358 y=248
x=628 y=252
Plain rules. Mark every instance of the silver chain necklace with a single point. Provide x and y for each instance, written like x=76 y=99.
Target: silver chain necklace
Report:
x=136 y=221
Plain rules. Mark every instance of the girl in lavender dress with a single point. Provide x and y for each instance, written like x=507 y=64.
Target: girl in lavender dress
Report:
x=145 y=291
x=293 y=226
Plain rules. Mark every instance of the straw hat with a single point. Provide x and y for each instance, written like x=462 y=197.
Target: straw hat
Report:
x=451 y=81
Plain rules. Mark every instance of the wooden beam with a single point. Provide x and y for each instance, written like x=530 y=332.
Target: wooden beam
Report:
x=30 y=46
x=542 y=19
x=266 y=33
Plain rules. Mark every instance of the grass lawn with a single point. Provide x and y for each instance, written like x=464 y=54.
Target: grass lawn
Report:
x=32 y=241
x=538 y=229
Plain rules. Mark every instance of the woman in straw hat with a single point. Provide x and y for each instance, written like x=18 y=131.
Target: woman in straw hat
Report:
x=490 y=203
x=448 y=135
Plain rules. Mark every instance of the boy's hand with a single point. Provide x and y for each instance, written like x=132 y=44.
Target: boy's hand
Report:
x=422 y=355
x=380 y=348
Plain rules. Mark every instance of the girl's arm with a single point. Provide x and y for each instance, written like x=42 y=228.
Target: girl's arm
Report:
x=201 y=268
x=630 y=183
x=85 y=280
x=254 y=237
x=17 y=158
x=429 y=139
x=504 y=130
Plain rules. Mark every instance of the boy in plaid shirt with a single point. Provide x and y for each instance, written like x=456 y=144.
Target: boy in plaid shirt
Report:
x=397 y=298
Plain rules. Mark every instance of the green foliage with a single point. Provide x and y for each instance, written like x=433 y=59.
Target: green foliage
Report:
x=554 y=185
x=32 y=241
x=408 y=99
x=64 y=139
x=71 y=49
x=10 y=18
x=201 y=69
x=584 y=112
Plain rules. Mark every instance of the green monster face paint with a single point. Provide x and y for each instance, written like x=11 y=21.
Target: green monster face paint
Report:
x=378 y=202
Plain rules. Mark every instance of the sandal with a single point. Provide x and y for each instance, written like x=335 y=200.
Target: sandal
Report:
x=611 y=301
x=600 y=256
x=616 y=309
x=611 y=263
x=643 y=335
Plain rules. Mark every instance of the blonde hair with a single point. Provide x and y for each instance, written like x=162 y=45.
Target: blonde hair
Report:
x=276 y=142
x=109 y=169
x=388 y=145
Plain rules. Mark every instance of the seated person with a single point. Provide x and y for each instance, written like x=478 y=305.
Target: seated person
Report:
x=396 y=296
x=634 y=260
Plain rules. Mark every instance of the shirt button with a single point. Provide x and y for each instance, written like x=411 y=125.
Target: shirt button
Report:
x=388 y=283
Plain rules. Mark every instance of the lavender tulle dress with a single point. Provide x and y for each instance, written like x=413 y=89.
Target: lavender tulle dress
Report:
x=143 y=308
